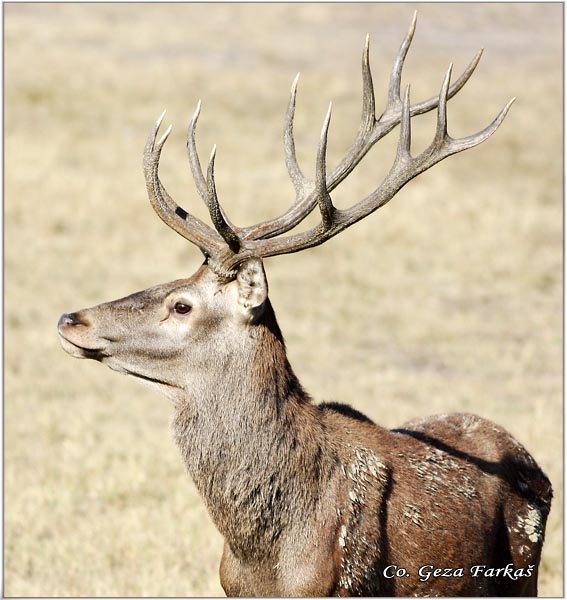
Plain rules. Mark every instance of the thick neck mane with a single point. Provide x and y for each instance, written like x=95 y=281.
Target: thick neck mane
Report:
x=252 y=442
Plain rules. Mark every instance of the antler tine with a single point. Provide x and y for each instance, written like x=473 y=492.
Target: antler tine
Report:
x=404 y=146
x=427 y=105
x=304 y=187
x=394 y=101
x=458 y=145
x=323 y=198
x=371 y=129
x=150 y=142
x=194 y=162
x=300 y=182
x=443 y=144
x=217 y=217
x=188 y=226
x=368 y=100
x=441 y=132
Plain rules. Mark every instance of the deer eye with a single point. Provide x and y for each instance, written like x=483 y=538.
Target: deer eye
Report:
x=181 y=308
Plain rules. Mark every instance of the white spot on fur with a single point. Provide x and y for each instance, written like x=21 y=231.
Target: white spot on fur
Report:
x=342 y=537
x=442 y=472
x=471 y=422
x=531 y=524
x=364 y=474
x=413 y=513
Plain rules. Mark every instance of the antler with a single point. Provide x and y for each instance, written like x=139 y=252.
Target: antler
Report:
x=171 y=214
x=370 y=131
x=229 y=245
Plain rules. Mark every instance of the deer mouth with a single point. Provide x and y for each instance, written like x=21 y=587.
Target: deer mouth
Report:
x=78 y=351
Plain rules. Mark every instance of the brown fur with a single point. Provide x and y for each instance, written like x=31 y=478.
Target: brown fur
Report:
x=318 y=500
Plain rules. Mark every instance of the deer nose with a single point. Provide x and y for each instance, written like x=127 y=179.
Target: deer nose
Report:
x=70 y=320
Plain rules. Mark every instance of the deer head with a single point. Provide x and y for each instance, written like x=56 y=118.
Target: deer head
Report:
x=167 y=335
x=173 y=333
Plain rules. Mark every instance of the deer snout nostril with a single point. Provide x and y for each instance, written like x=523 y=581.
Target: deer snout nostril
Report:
x=70 y=320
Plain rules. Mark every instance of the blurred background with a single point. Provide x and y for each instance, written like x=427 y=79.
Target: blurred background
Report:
x=447 y=299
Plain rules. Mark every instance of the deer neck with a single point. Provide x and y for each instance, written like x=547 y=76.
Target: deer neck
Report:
x=253 y=444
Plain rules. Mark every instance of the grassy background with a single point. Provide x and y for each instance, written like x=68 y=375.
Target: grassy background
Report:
x=448 y=299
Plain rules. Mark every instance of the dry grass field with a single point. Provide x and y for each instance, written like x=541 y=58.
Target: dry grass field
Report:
x=447 y=299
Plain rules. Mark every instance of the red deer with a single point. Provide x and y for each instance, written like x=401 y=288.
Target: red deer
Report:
x=317 y=500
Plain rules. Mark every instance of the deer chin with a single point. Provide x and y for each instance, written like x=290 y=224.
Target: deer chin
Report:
x=77 y=351
x=152 y=382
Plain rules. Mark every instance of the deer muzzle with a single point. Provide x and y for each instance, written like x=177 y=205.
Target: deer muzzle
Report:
x=76 y=336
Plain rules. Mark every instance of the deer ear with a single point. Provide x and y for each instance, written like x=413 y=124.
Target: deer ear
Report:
x=252 y=284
